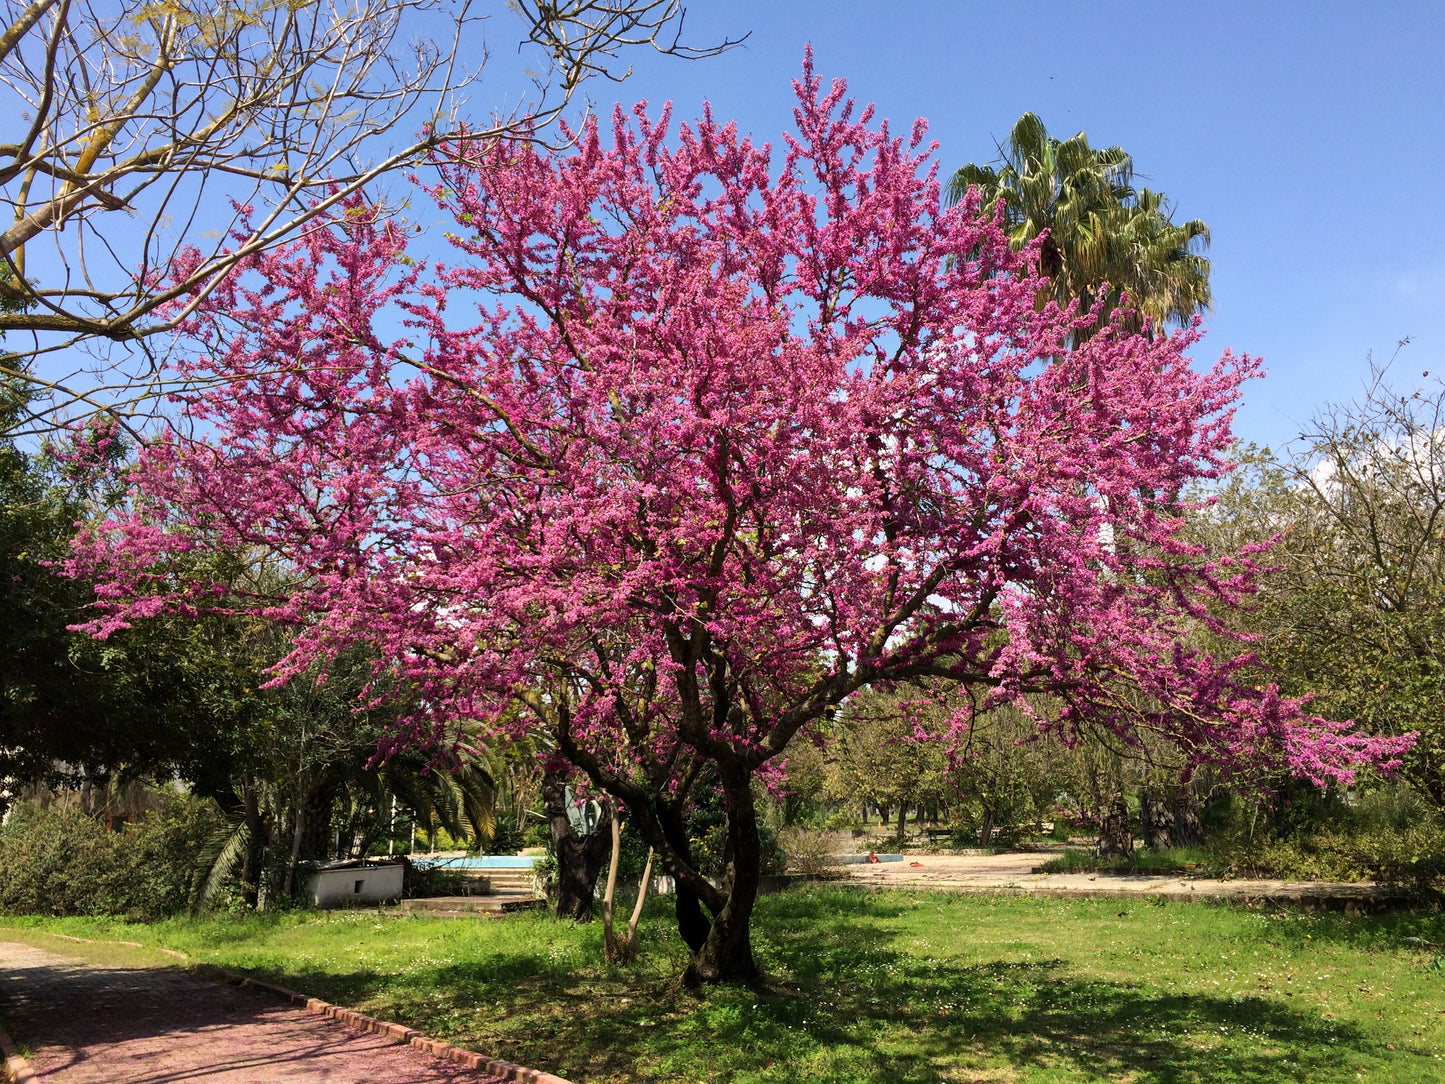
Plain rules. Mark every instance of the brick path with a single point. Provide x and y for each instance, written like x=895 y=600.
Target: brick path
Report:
x=89 y=1024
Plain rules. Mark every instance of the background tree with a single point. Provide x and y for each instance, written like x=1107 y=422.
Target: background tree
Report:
x=875 y=758
x=731 y=440
x=1355 y=614
x=1096 y=228
x=138 y=133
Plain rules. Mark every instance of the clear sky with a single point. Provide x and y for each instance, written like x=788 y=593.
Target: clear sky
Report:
x=1310 y=137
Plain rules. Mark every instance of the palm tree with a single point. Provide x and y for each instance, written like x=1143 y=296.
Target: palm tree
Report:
x=1100 y=231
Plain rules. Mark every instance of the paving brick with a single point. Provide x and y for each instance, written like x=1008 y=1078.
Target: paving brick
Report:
x=87 y=1024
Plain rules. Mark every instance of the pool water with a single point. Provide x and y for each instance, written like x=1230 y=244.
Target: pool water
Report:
x=481 y=861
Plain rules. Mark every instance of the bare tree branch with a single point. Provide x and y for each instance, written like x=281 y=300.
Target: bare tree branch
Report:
x=141 y=130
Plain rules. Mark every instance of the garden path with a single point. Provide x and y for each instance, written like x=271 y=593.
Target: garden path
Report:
x=1014 y=873
x=85 y=1023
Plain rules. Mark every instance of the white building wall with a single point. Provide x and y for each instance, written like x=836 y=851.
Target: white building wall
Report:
x=355 y=885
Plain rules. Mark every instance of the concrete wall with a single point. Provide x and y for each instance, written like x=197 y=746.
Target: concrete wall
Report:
x=353 y=885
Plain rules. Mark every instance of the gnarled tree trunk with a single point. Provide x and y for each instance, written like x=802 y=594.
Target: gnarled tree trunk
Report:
x=726 y=955
x=692 y=921
x=579 y=858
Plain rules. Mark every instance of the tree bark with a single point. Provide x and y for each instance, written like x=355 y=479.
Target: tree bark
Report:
x=1116 y=833
x=727 y=953
x=692 y=923
x=579 y=859
x=1158 y=821
x=253 y=863
x=1188 y=828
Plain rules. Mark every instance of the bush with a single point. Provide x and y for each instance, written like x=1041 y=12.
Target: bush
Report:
x=62 y=862
x=1389 y=835
x=506 y=835
x=807 y=851
x=425 y=882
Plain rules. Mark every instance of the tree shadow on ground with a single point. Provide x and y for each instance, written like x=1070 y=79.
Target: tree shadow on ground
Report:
x=857 y=1004
x=1393 y=930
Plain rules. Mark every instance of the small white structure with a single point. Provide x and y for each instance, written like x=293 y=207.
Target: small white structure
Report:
x=350 y=884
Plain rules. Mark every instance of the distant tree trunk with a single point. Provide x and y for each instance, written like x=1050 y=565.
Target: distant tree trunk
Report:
x=1158 y=821
x=985 y=832
x=1116 y=833
x=579 y=859
x=883 y=813
x=258 y=835
x=300 y=818
x=1188 y=828
x=317 y=839
x=902 y=823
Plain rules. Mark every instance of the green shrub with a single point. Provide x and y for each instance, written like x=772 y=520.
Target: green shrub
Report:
x=424 y=882
x=62 y=862
x=808 y=851
x=1388 y=834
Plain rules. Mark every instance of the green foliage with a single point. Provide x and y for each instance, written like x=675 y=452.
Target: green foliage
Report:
x=506 y=836
x=1354 y=613
x=1100 y=229
x=1197 y=860
x=707 y=831
x=1388 y=834
x=423 y=882
x=874 y=758
x=62 y=862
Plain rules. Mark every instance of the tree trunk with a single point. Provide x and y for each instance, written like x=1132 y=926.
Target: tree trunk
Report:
x=1116 y=833
x=727 y=953
x=317 y=839
x=300 y=816
x=252 y=865
x=1158 y=821
x=1188 y=828
x=902 y=823
x=985 y=831
x=579 y=859
x=692 y=924
x=621 y=948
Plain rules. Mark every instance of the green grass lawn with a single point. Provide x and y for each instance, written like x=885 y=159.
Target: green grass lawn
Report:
x=894 y=987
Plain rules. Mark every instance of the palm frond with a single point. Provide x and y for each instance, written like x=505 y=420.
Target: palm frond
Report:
x=218 y=861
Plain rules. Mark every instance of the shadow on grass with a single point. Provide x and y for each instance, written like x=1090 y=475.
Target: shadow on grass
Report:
x=856 y=1005
x=1399 y=930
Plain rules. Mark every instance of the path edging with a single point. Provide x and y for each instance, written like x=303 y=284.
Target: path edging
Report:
x=18 y=1071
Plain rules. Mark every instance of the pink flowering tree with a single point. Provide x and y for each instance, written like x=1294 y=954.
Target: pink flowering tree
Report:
x=692 y=440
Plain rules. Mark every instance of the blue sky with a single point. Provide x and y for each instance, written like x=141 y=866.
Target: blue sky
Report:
x=1310 y=137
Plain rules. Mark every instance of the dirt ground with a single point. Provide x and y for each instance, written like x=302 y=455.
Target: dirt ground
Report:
x=1014 y=873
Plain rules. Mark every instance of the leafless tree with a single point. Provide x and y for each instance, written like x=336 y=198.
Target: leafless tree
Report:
x=138 y=130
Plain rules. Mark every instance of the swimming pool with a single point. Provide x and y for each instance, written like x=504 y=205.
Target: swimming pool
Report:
x=481 y=861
